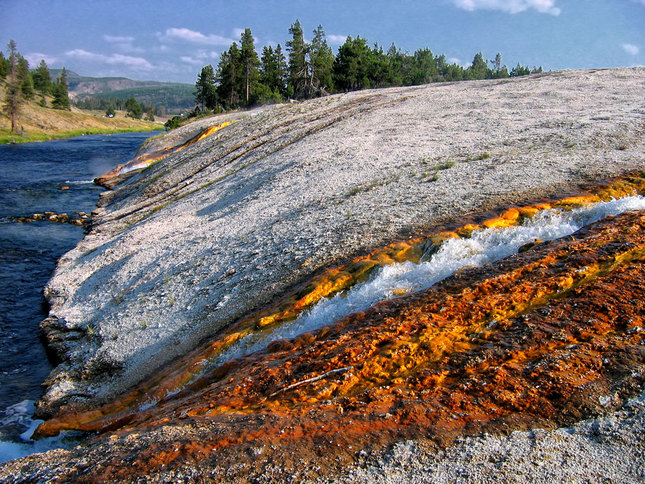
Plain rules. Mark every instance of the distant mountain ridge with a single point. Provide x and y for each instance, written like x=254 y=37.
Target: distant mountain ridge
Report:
x=175 y=97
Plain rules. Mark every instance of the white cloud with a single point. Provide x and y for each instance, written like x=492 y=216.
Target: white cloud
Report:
x=190 y=60
x=336 y=39
x=113 y=59
x=193 y=37
x=509 y=6
x=201 y=58
x=34 y=59
x=123 y=43
x=631 y=49
x=118 y=39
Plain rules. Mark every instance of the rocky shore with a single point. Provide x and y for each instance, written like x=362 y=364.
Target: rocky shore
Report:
x=210 y=242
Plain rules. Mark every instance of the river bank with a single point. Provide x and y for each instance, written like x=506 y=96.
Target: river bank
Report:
x=46 y=193
x=36 y=123
x=183 y=254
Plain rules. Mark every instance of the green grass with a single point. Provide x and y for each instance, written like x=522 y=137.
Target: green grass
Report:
x=444 y=166
x=483 y=156
x=8 y=137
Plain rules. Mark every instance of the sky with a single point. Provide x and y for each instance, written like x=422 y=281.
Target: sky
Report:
x=167 y=40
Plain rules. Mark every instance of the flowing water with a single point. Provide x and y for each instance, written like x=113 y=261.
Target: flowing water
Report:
x=482 y=247
x=30 y=182
x=31 y=177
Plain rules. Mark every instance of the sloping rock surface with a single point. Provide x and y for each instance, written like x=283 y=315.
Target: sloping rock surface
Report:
x=219 y=229
x=214 y=233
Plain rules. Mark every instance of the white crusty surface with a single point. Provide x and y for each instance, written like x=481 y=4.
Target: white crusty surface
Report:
x=223 y=227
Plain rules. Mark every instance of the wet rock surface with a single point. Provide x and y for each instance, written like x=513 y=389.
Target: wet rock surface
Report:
x=216 y=233
x=540 y=340
x=77 y=218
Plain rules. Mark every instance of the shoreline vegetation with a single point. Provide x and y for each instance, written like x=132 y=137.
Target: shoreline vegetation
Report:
x=37 y=108
x=34 y=137
x=42 y=124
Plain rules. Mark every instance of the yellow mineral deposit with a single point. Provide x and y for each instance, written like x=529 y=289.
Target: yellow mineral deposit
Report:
x=399 y=355
x=145 y=160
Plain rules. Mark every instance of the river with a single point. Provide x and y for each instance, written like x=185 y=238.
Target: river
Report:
x=31 y=177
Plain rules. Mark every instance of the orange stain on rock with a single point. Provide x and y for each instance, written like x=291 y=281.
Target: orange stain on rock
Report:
x=532 y=340
x=111 y=178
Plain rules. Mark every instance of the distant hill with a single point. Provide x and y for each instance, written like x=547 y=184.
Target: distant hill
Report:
x=173 y=96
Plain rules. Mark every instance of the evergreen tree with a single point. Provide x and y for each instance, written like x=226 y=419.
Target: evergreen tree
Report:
x=228 y=76
x=205 y=94
x=395 y=60
x=269 y=68
x=272 y=72
x=42 y=78
x=133 y=108
x=498 y=71
x=23 y=67
x=4 y=66
x=424 y=68
x=59 y=91
x=13 y=99
x=27 y=87
x=298 y=67
x=478 y=69
x=110 y=112
x=520 y=71
x=322 y=64
x=24 y=78
x=351 y=69
x=379 y=68
x=282 y=71
x=249 y=62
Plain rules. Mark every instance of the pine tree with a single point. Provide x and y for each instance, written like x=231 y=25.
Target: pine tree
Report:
x=4 y=66
x=282 y=71
x=394 y=66
x=298 y=68
x=478 y=69
x=351 y=69
x=424 y=68
x=269 y=72
x=13 y=99
x=205 y=93
x=23 y=67
x=133 y=108
x=520 y=70
x=249 y=62
x=42 y=78
x=27 y=87
x=227 y=77
x=322 y=63
x=499 y=71
x=59 y=91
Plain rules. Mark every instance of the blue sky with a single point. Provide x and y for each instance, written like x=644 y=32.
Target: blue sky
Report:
x=172 y=40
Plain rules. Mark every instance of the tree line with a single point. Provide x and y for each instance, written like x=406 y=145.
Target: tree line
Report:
x=134 y=109
x=24 y=84
x=310 y=69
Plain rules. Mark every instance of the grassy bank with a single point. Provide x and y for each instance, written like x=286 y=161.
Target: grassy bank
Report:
x=37 y=123
x=35 y=135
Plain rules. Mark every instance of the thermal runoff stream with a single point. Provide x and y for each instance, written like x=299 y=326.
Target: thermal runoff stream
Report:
x=484 y=246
